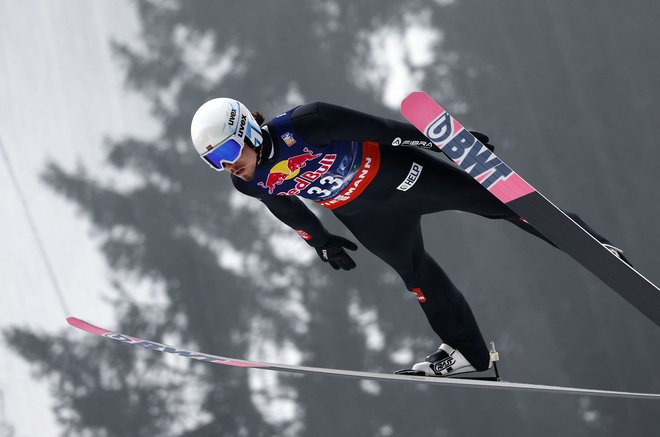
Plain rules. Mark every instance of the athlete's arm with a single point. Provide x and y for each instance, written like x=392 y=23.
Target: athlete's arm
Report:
x=321 y=123
x=291 y=211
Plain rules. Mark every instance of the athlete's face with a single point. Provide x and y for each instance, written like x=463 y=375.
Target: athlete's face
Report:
x=245 y=166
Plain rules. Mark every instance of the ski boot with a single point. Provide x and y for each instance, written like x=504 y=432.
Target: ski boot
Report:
x=449 y=362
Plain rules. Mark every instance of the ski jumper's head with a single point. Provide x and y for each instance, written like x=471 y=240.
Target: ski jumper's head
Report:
x=220 y=130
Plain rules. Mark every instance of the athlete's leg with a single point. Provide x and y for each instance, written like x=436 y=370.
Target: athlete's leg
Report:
x=442 y=186
x=394 y=235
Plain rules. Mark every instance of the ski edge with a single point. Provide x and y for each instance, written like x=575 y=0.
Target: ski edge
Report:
x=215 y=359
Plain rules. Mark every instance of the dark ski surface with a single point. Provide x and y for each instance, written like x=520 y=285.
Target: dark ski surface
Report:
x=504 y=183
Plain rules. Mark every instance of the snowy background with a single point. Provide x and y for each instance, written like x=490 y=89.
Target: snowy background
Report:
x=108 y=214
x=63 y=95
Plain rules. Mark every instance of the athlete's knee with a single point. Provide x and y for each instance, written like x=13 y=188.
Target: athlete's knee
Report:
x=415 y=273
x=407 y=275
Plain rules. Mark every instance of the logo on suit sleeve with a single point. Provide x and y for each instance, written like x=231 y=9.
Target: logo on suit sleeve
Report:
x=423 y=144
x=288 y=139
x=411 y=179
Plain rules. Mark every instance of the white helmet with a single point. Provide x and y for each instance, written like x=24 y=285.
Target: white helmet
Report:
x=219 y=129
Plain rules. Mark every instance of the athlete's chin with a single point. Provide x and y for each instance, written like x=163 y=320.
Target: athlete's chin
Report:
x=247 y=177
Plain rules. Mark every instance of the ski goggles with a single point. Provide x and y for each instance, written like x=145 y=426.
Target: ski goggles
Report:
x=226 y=152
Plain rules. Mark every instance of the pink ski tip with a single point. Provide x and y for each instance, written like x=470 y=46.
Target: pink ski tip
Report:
x=81 y=324
x=420 y=110
x=413 y=99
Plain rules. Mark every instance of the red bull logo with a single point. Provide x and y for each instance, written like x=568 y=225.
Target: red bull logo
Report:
x=366 y=173
x=287 y=169
x=307 y=178
x=273 y=179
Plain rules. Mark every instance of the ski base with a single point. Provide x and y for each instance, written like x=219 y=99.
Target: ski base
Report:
x=215 y=359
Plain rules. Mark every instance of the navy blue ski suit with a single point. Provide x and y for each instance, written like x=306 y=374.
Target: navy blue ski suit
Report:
x=371 y=173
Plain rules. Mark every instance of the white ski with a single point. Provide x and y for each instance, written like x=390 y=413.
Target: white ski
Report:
x=501 y=385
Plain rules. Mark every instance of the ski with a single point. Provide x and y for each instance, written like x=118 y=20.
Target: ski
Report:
x=455 y=382
x=473 y=157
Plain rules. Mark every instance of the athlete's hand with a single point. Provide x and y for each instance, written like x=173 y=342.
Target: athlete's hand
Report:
x=333 y=252
x=483 y=138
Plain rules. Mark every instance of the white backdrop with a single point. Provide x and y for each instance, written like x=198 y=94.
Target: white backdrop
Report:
x=61 y=94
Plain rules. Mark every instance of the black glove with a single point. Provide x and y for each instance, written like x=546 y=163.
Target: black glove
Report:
x=483 y=139
x=334 y=253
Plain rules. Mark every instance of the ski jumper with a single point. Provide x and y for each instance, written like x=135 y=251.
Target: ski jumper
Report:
x=366 y=171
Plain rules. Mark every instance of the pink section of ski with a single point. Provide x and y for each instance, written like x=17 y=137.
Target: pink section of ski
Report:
x=92 y=329
x=421 y=110
x=81 y=324
x=418 y=110
x=511 y=188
